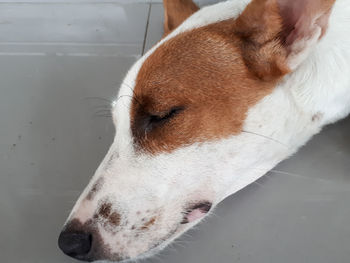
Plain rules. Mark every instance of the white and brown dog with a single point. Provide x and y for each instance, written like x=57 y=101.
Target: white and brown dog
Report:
x=229 y=92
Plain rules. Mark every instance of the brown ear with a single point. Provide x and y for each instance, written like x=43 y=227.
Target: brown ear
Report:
x=177 y=11
x=276 y=36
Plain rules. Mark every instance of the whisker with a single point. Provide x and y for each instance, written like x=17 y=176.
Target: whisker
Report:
x=121 y=97
x=97 y=98
x=102 y=111
x=111 y=102
x=117 y=100
x=103 y=107
x=274 y=171
x=132 y=90
x=105 y=116
x=266 y=137
x=259 y=184
x=294 y=175
x=267 y=175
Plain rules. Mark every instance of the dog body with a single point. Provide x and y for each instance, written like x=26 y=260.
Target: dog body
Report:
x=185 y=141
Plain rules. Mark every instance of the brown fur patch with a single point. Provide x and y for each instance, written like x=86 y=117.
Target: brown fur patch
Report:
x=95 y=188
x=114 y=219
x=206 y=81
x=107 y=217
x=105 y=210
x=148 y=223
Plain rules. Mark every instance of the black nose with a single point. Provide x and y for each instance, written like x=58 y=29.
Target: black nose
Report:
x=75 y=244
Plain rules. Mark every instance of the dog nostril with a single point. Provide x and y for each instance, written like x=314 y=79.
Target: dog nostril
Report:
x=75 y=244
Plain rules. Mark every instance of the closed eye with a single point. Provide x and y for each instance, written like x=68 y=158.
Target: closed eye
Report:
x=159 y=118
x=146 y=122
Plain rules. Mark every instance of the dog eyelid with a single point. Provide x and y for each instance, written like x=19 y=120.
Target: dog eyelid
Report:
x=155 y=118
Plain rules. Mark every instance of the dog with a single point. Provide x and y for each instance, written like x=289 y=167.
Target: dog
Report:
x=230 y=91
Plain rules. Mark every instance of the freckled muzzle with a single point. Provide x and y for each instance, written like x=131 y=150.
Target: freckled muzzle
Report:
x=84 y=242
x=109 y=236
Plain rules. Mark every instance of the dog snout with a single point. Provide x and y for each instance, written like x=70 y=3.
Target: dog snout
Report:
x=75 y=244
x=83 y=241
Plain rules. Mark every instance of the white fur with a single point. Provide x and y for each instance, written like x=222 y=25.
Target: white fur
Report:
x=275 y=128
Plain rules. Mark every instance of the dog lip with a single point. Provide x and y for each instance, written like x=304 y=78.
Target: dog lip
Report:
x=203 y=206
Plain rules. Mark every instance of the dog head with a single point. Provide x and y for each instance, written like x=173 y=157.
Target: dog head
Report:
x=194 y=120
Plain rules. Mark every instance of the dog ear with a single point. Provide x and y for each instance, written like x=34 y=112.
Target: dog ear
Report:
x=276 y=36
x=175 y=12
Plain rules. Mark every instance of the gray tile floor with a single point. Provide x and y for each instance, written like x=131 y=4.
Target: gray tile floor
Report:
x=60 y=64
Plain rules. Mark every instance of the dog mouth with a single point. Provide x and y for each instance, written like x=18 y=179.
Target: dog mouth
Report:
x=196 y=212
x=193 y=213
